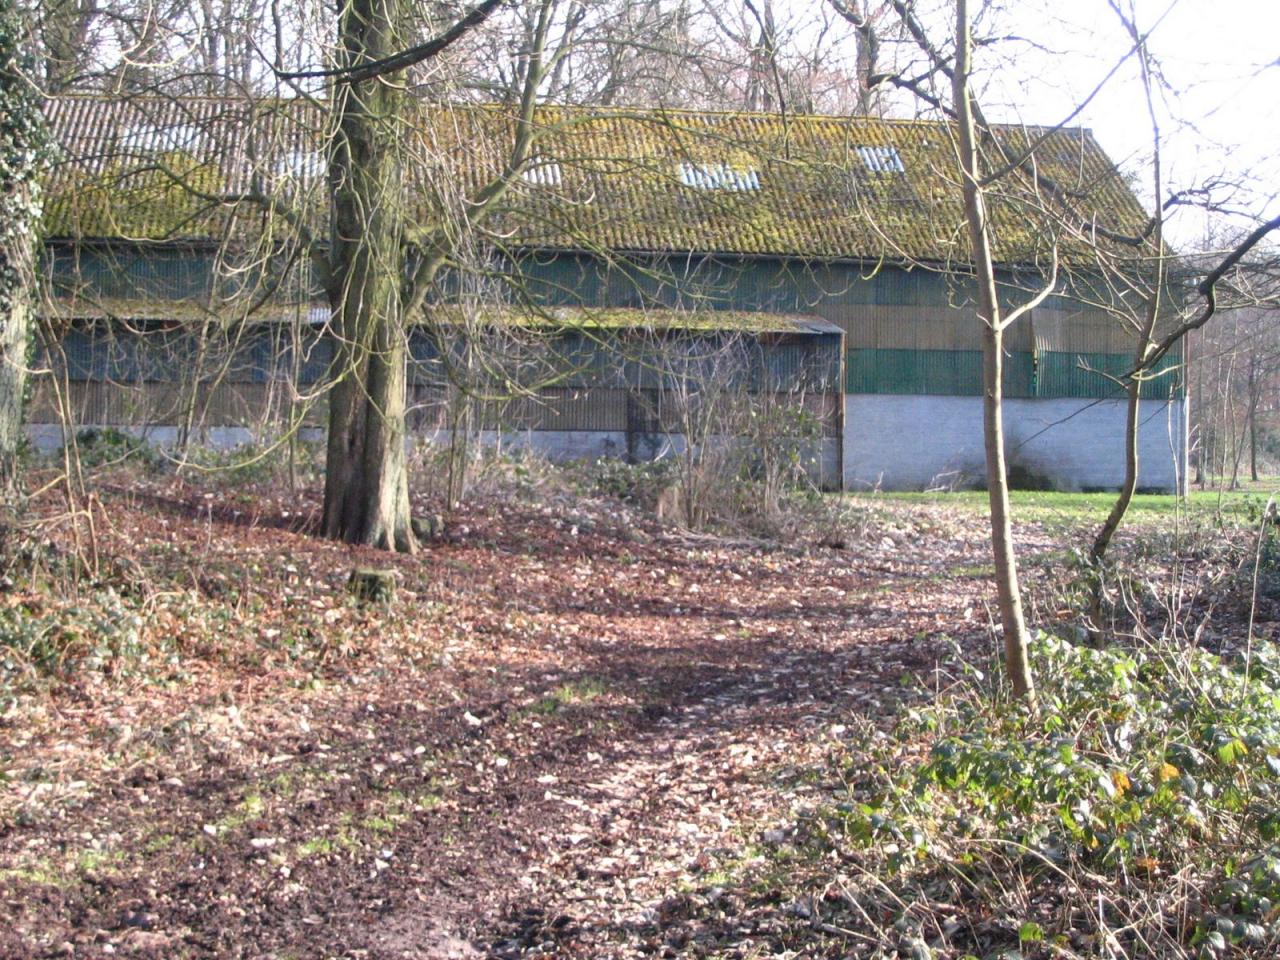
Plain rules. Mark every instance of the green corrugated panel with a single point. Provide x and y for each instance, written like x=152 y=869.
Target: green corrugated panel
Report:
x=1019 y=374
x=1089 y=375
x=168 y=274
x=938 y=372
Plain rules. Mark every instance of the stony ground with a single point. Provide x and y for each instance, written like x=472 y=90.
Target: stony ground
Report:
x=571 y=734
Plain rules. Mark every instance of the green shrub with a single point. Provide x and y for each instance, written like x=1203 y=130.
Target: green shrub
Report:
x=254 y=463
x=103 y=446
x=103 y=632
x=638 y=483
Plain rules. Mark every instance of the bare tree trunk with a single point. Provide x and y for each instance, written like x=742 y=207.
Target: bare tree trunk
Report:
x=1008 y=593
x=1133 y=410
x=191 y=391
x=1251 y=419
x=367 y=484
x=1102 y=539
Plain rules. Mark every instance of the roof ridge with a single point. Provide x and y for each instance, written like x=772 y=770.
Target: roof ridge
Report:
x=603 y=111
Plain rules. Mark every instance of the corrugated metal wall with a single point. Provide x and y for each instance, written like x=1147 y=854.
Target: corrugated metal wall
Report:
x=907 y=332
x=1087 y=375
x=956 y=373
x=578 y=380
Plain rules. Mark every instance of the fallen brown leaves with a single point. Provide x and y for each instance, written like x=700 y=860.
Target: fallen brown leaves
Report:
x=568 y=720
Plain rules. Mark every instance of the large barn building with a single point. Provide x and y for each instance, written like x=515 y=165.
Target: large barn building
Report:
x=829 y=250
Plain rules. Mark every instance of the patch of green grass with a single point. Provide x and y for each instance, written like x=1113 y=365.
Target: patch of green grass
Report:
x=569 y=694
x=1066 y=511
x=390 y=813
x=41 y=873
x=316 y=846
x=429 y=801
x=51 y=872
x=729 y=872
x=976 y=570
x=251 y=807
x=283 y=784
x=159 y=843
x=95 y=861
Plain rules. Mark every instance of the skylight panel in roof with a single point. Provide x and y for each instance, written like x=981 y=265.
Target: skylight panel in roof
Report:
x=881 y=159
x=149 y=137
x=719 y=176
x=546 y=173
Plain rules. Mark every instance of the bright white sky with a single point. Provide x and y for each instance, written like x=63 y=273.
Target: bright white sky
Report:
x=1220 y=114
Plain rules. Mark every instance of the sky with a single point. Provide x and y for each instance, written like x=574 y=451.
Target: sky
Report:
x=1219 y=103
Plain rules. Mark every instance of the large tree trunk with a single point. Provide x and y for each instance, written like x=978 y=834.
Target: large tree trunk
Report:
x=15 y=327
x=366 y=476
x=1009 y=596
x=22 y=155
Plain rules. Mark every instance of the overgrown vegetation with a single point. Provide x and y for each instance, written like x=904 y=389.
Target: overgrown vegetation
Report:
x=1133 y=815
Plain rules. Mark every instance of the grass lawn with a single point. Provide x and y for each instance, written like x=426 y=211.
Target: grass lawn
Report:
x=1054 y=508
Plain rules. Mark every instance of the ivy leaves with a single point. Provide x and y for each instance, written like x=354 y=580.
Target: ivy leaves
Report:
x=24 y=151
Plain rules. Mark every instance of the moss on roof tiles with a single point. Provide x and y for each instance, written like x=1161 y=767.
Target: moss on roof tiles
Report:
x=794 y=186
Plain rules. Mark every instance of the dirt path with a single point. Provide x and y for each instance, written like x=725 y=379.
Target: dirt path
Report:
x=593 y=726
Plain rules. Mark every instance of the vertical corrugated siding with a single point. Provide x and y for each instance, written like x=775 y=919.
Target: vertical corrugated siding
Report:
x=93 y=403
x=1099 y=375
x=135 y=377
x=1081 y=329
x=94 y=272
x=151 y=353
x=933 y=372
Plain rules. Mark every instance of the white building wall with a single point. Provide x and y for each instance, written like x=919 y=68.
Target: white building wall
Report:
x=923 y=442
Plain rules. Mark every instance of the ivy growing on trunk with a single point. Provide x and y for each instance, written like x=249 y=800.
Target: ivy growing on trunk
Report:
x=23 y=153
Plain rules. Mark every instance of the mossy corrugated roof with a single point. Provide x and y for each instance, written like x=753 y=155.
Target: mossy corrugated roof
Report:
x=559 y=318
x=600 y=180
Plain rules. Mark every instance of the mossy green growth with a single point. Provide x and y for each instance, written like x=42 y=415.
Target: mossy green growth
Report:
x=158 y=197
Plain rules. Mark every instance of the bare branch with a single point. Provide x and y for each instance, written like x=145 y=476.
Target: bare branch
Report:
x=405 y=58
x=1207 y=288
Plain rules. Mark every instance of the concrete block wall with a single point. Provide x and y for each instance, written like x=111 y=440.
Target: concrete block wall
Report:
x=565 y=445
x=48 y=437
x=923 y=442
x=556 y=445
